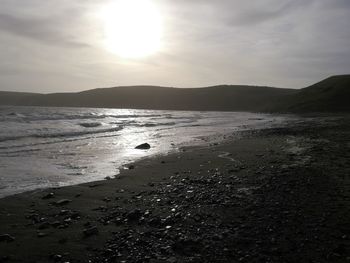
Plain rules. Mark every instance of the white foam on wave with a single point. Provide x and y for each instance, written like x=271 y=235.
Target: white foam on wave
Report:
x=61 y=134
x=34 y=146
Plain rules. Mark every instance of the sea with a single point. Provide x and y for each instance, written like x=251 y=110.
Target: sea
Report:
x=53 y=147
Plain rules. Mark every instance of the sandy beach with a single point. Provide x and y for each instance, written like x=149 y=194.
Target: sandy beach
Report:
x=272 y=195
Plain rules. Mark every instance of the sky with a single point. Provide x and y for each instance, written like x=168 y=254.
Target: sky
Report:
x=59 y=45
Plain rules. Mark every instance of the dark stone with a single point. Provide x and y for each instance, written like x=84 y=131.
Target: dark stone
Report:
x=144 y=146
x=90 y=124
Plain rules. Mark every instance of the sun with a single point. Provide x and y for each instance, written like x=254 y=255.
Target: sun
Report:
x=132 y=28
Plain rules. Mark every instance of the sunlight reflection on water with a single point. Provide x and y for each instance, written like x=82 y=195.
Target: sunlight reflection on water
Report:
x=49 y=147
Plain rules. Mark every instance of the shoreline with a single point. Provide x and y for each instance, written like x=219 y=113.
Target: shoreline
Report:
x=50 y=161
x=113 y=166
x=258 y=198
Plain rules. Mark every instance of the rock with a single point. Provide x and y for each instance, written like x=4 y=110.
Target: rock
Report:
x=144 y=146
x=131 y=167
x=90 y=231
x=90 y=124
x=63 y=202
x=48 y=196
x=6 y=238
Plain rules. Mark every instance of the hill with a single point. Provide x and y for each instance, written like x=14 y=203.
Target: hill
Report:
x=15 y=98
x=329 y=95
x=218 y=98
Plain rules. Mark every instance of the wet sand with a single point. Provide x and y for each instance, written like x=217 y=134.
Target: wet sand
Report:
x=275 y=195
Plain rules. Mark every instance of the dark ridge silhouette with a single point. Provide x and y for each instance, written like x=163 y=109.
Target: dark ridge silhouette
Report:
x=15 y=98
x=217 y=98
x=329 y=95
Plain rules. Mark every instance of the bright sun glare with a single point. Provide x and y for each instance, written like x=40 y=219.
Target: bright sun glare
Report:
x=132 y=28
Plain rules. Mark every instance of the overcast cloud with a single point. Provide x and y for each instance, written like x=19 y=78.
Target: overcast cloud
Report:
x=54 y=46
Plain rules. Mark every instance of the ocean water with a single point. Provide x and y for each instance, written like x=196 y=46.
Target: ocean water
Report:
x=53 y=147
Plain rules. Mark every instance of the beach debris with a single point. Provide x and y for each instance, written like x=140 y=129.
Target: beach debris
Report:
x=93 y=230
x=6 y=238
x=63 y=202
x=144 y=146
x=48 y=196
x=131 y=167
